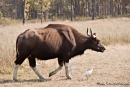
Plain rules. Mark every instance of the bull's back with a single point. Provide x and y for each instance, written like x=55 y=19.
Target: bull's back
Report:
x=49 y=43
x=41 y=43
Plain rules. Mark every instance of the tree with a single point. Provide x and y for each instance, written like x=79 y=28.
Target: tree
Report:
x=63 y=9
x=93 y=10
x=24 y=11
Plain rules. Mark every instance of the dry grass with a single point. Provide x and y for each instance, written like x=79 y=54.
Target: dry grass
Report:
x=111 y=67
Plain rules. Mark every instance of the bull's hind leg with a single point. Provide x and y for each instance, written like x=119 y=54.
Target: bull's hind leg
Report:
x=19 y=60
x=32 y=63
x=15 y=72
x=60 y=61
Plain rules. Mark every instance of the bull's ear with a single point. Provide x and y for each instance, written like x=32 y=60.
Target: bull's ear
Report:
x=94 y=35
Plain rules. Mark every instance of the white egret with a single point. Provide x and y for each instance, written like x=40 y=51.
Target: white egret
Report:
x=71 y=68
x=89 y=72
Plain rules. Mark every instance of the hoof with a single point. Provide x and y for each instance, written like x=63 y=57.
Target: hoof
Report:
x=15 y=80
x=69 y=77
x=50 y=74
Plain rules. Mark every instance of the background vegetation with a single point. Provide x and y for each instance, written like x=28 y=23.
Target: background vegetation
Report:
x=63 y=9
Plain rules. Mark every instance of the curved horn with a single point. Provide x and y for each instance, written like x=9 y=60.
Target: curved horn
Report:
x=91 y=32
x=87 y=32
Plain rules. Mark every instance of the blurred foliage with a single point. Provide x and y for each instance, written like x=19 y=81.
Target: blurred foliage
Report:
x=64 y=9
x=1 y=14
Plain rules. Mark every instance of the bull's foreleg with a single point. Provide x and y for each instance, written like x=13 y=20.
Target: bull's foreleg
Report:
x=66 y=71
x=60 y=61
x=55 y=71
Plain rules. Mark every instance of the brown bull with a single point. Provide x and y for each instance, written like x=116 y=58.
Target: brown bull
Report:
x=54 y=41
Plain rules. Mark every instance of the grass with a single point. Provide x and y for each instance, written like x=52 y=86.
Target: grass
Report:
x=7 y=21
x=110 y=67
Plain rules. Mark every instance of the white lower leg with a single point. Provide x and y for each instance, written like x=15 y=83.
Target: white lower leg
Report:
x=67 y=72
x=15 y=72
x=55 y=71
x=36 y=71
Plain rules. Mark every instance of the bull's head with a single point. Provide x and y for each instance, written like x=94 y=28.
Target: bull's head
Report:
x=95 y=43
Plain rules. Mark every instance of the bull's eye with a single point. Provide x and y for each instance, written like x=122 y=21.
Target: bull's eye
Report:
x=95 y=40
x=98 y=41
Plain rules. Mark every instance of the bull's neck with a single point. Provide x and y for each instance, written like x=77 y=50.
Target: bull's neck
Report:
x=80 y=45
x=79 y=38
x=81 y=41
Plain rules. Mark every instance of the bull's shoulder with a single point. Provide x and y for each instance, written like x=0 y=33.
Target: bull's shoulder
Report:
x=66 y=28
x=45 y=30
x=62 y=27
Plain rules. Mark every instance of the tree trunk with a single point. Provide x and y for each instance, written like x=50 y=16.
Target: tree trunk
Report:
x=93 y=11
x=41 y=14
x=71 y=12
x=89 y=9
x=111 y=7
x=24 y=13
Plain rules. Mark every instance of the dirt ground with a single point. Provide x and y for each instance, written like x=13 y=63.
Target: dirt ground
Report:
x=111 y=69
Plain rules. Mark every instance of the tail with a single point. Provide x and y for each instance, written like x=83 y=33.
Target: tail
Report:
x=17 y=46
x=17 y=42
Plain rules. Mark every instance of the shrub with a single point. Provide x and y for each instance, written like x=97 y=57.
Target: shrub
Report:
x=1 y=14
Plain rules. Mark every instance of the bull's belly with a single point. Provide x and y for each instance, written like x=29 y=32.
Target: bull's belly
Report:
x=46 y=56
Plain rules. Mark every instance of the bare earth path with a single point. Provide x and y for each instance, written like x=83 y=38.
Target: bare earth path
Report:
x=111 y=68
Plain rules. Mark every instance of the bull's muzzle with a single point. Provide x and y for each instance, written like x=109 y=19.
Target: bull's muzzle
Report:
x=102 y=49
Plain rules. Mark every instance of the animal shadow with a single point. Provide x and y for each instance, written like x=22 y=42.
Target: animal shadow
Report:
x=19 y=81
x=6 y=81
